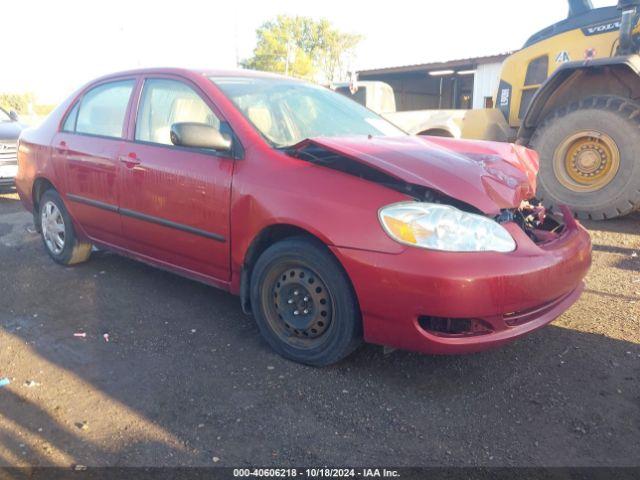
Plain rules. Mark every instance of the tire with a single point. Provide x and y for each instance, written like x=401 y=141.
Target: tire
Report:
x=56 y=226
x=300 y=275
x=612 y=123
x=437 y=132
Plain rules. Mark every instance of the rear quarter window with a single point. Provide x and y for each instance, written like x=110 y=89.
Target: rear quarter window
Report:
x=69 y=124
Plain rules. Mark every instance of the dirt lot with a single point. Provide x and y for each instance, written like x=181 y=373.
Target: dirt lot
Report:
x=186 y=379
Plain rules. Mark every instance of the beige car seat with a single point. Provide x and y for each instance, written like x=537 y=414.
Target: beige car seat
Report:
x=184 y=110
x=261 y=117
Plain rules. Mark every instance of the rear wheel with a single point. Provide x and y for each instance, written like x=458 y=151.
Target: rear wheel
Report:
x=59 y=237
x=304 y=304
x=589 y=155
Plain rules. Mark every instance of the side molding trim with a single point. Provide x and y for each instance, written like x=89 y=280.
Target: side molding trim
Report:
x=147 y=218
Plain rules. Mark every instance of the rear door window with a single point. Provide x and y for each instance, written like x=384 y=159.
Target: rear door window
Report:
x=103 y=109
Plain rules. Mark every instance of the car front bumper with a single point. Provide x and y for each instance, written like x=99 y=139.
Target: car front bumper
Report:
x=8 y=175
x=507 y=294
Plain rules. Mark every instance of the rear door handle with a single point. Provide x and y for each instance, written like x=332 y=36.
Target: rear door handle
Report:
x=130 y=160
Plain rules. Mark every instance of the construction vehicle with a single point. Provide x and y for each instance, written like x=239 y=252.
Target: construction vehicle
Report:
x=573 y=94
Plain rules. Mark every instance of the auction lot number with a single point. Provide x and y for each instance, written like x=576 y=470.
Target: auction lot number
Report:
x=315 y=473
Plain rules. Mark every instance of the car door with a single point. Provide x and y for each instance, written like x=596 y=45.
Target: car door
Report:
x=89 y=146
x=175 y=200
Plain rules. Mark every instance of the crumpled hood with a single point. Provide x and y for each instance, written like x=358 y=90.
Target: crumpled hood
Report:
x=488 y=175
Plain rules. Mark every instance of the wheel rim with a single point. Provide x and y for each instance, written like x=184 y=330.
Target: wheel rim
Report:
x=299 y=305
x=586 y=161
x=53 y=229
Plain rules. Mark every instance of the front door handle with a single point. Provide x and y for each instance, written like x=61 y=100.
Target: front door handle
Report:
x=130 y=160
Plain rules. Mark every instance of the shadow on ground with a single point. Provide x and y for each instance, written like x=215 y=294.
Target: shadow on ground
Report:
x=629 y=224
x=186 y=377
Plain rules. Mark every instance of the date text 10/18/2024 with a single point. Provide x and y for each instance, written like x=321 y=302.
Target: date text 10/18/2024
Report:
x=316 y=473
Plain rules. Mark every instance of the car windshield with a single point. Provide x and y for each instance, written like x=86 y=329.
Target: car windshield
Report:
x=4 y=116
x=286 y=112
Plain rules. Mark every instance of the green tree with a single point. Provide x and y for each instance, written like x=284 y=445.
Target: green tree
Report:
x=16 y=101
x=334 y=50
x=303 y=47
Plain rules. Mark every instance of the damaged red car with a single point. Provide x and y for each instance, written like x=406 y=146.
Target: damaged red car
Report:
x=333 y=226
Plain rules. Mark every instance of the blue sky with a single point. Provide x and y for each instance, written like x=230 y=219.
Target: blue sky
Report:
x=60 y=45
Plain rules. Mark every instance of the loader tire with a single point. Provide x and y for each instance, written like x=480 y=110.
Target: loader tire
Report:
x=590 y=157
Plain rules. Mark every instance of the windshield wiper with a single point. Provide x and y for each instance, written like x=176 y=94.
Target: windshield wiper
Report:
x=312 y=153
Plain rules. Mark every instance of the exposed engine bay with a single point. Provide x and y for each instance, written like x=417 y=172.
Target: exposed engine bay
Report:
x=540 y=224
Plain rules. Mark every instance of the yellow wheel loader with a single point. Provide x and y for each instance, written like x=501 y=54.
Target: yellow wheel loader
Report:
x=573 y=94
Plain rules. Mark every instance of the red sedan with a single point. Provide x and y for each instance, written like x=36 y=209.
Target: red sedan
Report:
x=331 y=224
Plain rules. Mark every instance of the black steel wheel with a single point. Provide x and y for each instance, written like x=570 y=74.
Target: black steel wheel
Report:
x=304 y=303
x=302 y=306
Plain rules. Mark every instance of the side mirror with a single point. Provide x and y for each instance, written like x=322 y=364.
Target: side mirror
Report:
x=13 y=115
x=199 y=135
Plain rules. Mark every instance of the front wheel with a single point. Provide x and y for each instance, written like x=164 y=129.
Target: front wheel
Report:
x=304 y=304
x=589 y=155
x=59 y=237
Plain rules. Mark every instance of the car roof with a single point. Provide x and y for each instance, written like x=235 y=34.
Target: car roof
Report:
x=190 y=72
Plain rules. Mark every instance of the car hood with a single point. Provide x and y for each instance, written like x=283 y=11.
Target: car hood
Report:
x=487 y=175
x=10 y=130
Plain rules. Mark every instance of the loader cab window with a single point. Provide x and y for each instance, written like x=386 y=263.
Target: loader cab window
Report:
x=537 y=73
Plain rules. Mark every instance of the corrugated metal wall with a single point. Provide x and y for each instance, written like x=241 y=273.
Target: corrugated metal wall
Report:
x=485 y=83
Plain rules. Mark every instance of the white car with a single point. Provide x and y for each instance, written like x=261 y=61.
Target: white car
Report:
x=10 y=130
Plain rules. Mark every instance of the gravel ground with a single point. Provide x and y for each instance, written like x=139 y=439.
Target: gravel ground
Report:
x=185 y=378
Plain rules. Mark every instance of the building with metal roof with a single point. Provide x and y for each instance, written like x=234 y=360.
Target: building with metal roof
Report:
x=462 y=83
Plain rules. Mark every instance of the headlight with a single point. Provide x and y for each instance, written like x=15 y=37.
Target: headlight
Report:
x=442 y=227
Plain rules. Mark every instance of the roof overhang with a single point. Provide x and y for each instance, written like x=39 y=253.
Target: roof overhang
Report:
x=437 y=66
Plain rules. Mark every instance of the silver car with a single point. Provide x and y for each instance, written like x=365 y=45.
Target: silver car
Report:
x=10 y=130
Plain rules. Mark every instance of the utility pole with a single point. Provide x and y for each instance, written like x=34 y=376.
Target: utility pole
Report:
x=288 y=57
x=235 y=36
